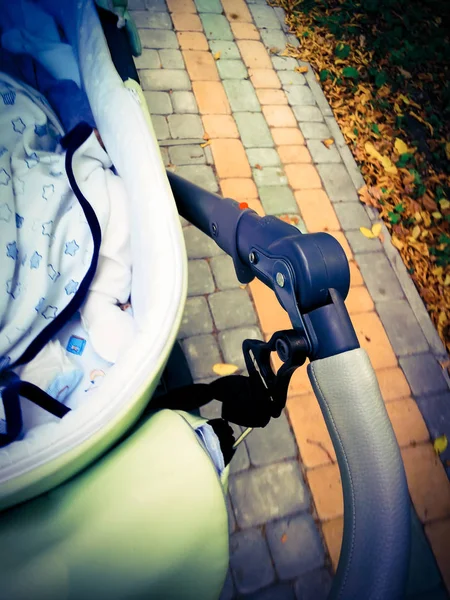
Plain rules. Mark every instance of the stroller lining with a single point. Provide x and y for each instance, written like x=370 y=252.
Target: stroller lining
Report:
x=158 y=282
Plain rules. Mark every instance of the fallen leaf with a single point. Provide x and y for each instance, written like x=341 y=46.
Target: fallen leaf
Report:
x=447 y=280
x=444 y=204
x=401 y=147
x=274 y=50
x=206 y=136
x=405 y=73
x=371 y=233
x=224 y=369
x=440 y=444
x=436 y=214
x=284 y=538
x=397 y=243
x=376 y=229
x=217 y=55
x=416 y=232
x=208 y=143
x=447 y=150
x=389 y=167
x=328 y=142
x=258 y=166
x=303 y=69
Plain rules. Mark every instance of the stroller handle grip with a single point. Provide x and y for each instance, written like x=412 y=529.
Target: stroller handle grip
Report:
x=374 y=556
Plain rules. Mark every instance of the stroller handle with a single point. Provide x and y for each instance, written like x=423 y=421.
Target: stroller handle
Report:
x=374 y=556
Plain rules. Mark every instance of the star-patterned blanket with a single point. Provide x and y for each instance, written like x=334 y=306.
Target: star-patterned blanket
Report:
x=46 y=244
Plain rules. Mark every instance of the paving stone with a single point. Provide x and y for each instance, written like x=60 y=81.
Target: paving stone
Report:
x=337 y=182
x=352 y=216
x=240 y=461
x=165 y=156
x=196 y=318
x=362 y=245
x=315 y=131
x=284 y=63
x=202 y=353
x=200 y=280
x=201 y=175
x=185 y=126
x=184 y=102
x=254 y=130
x=424 y=374
x=321 y=154
x=158 y=38
x=145 y=19
x=241 y=95
x=272 y=492
x=231 y=69
x=318 y=94
x=230 y=342
x=224 y=272
x=228 y=588
x=165 y=80
x=292 y=40
x=298 y=95
x=353 y=169
x=216 y=27
x=314 y=586
x=265 y=17
x=232 y=308
x=264 y=157
x=281 y=16
x=278 y=200
x=198 y=244
x=269 y=176
x=228 y=50
x=402 y=327
x=273 y=443
x=171 y=59
x=295 y=546
x=273 y=38
x=436 y=413
x=161 y=128
x=231 y=517
x=187 y=155
x=153 y=5
x=379 y=277
x=158 y=103
x=307 y=114
x=209 y=6
x=149 y=59
x=335 y=130
x=289 y=78
x=136 y=5
x=280 y=591
x=250 y=561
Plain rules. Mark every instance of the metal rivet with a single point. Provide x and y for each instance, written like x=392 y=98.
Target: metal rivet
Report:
x=280 y=279
x=253 y=258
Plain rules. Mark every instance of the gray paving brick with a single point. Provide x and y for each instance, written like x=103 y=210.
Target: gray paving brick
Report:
x=269 y=176
x=254 y=130
x=264 y=157
x=279 y=591
x=154 y=5
x=273 y=38
x=321 y=154
x=232 y=308
x=228 y=50
x=257 y=2
x=213 y=409
x=281 y=16
x=337 y=182
x=265 y=17
x=335 y=131
x=187 y=155
x=158 y=103
x=149 y=59
x=250 y=561
x=202 y=353
x=145 y=19
x=183 y=221
x=196 y=318
x=352 y=167
x=315 y=131
x=216 y=27
x=298 y=222
x=292 y=40
x=160 y=126
x=318 y=94
x=351 y=215
x=240 y=461
x=201 y=175
x=272 y=492
x=228 y=588
x=308 y=114
x=136 y=5
x=436 y=413
x=241 y=95
x=165 y=156
x=379 y=277
x=231 y=69
x=209 y=6
x=273 y=443
x=289 y=78
x=424 y=374
x=158 y=38
x=298 y=95
x=314 y=586
x=171 y=59
x=185 y=126
x=284 y=63
x=184 y=102
x=164 y=80
x=402 y=327
x=295 y=546
x=209 y=156
x=200 y=280
x=230 y=342
x=224 y=272
x=278 y=200
x=231 y=517
x=199 y=245
x=362 y=245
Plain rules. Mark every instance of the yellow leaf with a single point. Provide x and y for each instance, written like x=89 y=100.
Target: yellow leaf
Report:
x=217 y=55
x=444 y=204
x=376 y=229
x=418 y=217
x=397 y=243
x=447 y=280
x=440 y=444
x=401 y=96
x=301 y=69
x=328 y=142
x=398 y=110
x=223 y=369
x=205 y=144
x=400 y=146
x=389 y=167
x=367 y=233
x=436 y=214
x=416 y=232
x=447 y=150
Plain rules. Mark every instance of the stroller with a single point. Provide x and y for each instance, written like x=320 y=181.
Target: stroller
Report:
x=120 y=499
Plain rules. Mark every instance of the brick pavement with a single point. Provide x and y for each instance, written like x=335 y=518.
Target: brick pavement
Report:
x=266 y=123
